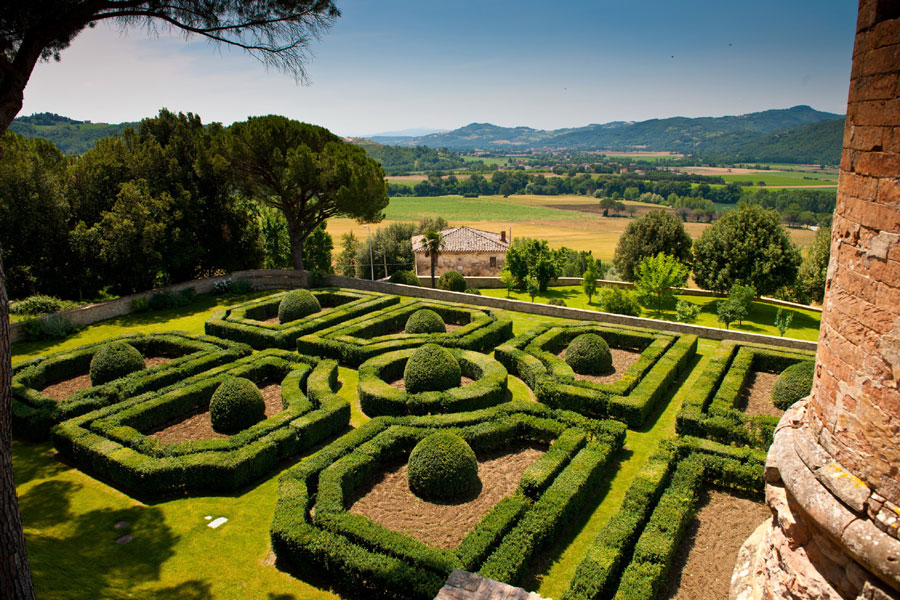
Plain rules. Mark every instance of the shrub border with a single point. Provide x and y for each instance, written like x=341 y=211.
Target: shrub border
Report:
x=630 y=557
x=377 y=397
x=234 y=323
x=107 y=442
x=355 y=341
x=312 y=530
x=708 y=409
x=35 y=414
x=631 y=399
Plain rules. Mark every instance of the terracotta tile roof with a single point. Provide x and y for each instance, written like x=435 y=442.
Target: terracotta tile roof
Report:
x=465 y=239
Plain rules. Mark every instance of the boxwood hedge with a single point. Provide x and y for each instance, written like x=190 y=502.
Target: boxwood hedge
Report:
x=355 y=341
x=378 y=397
x=664 y=357
x=313 y=530
x=34 y=413
x=114 y=442
x=711 y=408
x=630 y=557
x=246 y=322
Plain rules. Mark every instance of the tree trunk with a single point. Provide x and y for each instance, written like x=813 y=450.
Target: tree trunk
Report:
x=297 y=240
x=15 y=576
x=433 y=267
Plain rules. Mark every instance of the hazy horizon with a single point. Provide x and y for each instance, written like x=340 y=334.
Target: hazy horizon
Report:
x=398 y=65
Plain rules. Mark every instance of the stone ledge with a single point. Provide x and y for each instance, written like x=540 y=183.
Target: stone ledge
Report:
x=462 y=585
x=855 y=532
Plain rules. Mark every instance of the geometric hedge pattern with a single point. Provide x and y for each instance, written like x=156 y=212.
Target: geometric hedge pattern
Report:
x=313 y=530
x=378 y=397
x=113 y=442
x=247 y=322
x=355 y=341
x=631 y=398
x=711 y=407
x=34 y=413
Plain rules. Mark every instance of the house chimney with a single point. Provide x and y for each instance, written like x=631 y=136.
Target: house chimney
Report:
x=503 y=235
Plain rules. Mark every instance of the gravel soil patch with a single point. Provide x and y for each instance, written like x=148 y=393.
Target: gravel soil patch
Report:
x=703 y=563
x=621 y=360
x=67 y=387
x=197 y=425
x=756 y=396
x=387 y=499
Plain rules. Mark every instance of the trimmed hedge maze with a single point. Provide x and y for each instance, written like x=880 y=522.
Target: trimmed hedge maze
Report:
x=378 y=397
x=711 y=408
x=663 y=357
x=314 y=531
x=246 y=323
x=353 y=342
x=35 y=413
x=631 y=556
x=115 y=442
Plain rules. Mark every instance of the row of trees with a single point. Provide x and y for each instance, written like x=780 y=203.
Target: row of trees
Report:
x=174 y=199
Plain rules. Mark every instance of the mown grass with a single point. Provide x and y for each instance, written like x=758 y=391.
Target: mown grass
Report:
x=782 y=178
x=70 y=517
x=804 y=326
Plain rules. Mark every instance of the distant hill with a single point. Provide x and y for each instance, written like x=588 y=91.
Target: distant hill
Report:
x=676 y=134
x=71 y=136
x=398 y=160
x=815 y=143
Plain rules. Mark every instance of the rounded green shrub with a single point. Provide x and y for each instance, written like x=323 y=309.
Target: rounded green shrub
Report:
x=442 y=466
x=431 y=368
x=556 y=302
x=114 y=360
x=588 y=354
x=297 y=304
x=235 y=405
x=404 y=277
x=794 y=383
x=425 y=320
x=452 y=281
x=473 y=291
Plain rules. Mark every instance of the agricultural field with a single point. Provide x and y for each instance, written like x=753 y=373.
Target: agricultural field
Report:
x=95 y=530
x=783 y=178
x=579 y=227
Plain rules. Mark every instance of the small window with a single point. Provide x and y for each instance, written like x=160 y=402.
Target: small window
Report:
x=493 y=262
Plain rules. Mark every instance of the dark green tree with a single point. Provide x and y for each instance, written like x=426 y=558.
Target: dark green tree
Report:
x=747 y=246
x=307 y=173
x=347 y=259
x=529 y=256
x=810 y=286
x=655 y=232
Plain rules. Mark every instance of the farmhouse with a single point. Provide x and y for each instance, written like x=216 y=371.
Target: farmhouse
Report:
x=472 y=252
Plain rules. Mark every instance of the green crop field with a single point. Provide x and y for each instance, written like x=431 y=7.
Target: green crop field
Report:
x=783 y=178
x=457 y=208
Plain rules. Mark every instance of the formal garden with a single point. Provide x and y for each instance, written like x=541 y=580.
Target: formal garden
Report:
x=343 y=443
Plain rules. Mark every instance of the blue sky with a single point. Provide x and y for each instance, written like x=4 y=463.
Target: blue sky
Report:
x=392 y=64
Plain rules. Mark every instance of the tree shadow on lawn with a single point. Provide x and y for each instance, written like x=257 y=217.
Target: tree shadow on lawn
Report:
x=34 y=461
x=77 y=555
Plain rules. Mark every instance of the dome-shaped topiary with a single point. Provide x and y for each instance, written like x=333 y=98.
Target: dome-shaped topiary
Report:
x=588 y=354
x=114 y=360
x=794 y=383
x=431 y=368
x=425 y=320
x=452 y=281
x=404 y=277
x=442 y=466
x=297 y=304
x=235 y=405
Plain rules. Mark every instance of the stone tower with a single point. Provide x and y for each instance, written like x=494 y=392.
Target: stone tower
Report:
x=833 y=471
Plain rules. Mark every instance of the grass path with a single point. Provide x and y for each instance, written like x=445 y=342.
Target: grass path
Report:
x=551 y=578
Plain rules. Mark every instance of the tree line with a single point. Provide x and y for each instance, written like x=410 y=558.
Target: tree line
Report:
x=173 y=199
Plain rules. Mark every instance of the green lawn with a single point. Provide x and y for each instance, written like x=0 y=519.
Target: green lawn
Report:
x=457 y=208
x=70 y=517
x=805 y=324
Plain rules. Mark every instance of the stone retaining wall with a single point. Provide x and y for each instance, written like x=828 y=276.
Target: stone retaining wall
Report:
x=266 y=279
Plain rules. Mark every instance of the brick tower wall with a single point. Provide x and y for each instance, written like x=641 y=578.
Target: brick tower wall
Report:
x=854 y=411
